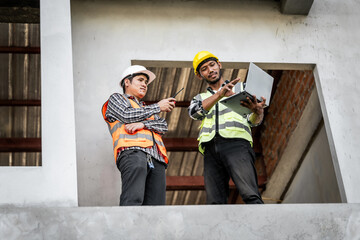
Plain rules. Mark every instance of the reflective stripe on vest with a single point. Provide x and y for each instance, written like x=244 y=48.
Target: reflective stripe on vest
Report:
x=224 y=126
x=231 y=124
x=141 y=138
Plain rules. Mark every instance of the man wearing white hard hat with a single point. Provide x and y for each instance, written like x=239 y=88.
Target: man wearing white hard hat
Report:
x=136 y=129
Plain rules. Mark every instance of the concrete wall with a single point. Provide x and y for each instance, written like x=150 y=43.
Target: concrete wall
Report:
x=107 y=35
x=315 y=181
x=287 y=221
x=55 y=183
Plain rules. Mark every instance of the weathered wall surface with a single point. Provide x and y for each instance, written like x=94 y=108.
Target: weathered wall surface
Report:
x=326 y=221
x=315 y=180
x=55 y=183
x=107 y=35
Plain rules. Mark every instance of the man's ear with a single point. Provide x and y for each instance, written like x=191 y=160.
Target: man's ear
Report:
x=127 y=82
x=219 y=64
x=199 y=76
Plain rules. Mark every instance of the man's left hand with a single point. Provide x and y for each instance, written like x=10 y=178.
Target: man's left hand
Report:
x=133 y=127
x=255 y=106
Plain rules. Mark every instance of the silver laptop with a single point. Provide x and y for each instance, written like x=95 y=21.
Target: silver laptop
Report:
x=258 y=83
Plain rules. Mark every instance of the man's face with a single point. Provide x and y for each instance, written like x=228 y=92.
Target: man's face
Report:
x=210 y=71
x=137 y=87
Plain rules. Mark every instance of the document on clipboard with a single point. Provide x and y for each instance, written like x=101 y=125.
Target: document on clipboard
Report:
x=258 y=83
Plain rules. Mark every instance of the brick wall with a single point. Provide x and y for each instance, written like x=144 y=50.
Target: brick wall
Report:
x=292 y=93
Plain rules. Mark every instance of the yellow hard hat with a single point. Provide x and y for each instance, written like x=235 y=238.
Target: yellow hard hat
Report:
x=201 y=56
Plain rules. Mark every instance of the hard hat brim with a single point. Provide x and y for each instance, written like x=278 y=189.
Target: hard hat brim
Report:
x=149 y=73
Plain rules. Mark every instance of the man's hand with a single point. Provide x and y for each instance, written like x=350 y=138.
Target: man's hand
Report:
x=255 y=106
x=226 y=91
x=133 y=127
x=167 y=105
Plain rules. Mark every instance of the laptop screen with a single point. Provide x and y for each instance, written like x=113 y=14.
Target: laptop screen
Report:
x=259 y=83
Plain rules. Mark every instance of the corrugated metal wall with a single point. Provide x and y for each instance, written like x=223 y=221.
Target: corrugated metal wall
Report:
x=20 y=80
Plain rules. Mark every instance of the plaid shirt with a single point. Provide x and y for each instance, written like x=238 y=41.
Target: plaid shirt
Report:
x=119 y=109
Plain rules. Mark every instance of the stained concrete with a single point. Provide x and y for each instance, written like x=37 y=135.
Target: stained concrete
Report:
x=286 y=221
x=315 y=181
x=108 y=35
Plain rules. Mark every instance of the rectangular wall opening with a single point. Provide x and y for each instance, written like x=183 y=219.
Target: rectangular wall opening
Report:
x=284 y=143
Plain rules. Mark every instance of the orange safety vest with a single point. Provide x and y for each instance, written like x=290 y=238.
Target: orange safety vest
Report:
x=142 y=138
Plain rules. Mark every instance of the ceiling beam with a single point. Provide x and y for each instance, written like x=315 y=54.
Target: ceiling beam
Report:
x=181 y=144
x=20 y=144
x=191 y=145
x=20 y=103
x=34 y=144
x=20 y=3
x=185 y=183
x=197 y=183
x=31 y=50
x=225 y=65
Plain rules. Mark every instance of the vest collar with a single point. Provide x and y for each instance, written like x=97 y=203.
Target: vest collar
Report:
x=140 y=103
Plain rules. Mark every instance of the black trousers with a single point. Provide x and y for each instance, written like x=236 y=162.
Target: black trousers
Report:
x=141 y=185
x=225 y=158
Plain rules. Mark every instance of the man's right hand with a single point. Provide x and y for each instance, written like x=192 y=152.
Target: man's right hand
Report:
x=227 y=91
x=167 y=105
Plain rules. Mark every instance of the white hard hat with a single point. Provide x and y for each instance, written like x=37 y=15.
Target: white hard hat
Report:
x=134 y=69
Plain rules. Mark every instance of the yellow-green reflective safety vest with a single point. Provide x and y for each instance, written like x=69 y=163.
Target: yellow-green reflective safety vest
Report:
x=231 y=124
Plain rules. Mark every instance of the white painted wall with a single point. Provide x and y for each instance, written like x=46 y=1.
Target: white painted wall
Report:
x=107 y=35
x=55 y=183
x=315 y=181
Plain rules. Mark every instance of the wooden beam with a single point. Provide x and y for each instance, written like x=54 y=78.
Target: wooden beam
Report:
x=227 y=65
x=20 y=3
x=21 y=50
x=197 y=183
x=178 y=104
x=20 y=144
x=191 y=145
x=17 y=103
x=185 y=183
x=181 y=144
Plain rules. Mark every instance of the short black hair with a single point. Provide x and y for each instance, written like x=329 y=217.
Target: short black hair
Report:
x=206 y=60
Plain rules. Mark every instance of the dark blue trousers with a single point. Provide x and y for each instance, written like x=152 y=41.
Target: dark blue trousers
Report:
x=225 y=158
x=141 y=185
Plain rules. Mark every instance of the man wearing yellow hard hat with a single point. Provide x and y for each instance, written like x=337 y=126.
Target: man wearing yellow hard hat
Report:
x=136 y=129
x=225 y=137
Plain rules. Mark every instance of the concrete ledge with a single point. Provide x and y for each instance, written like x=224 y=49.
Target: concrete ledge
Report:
x=285 y=221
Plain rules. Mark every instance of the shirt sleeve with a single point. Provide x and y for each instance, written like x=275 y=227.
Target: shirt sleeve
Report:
x=196 y=110
x=119 y=109
x=251 y=118
x=157 y=125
